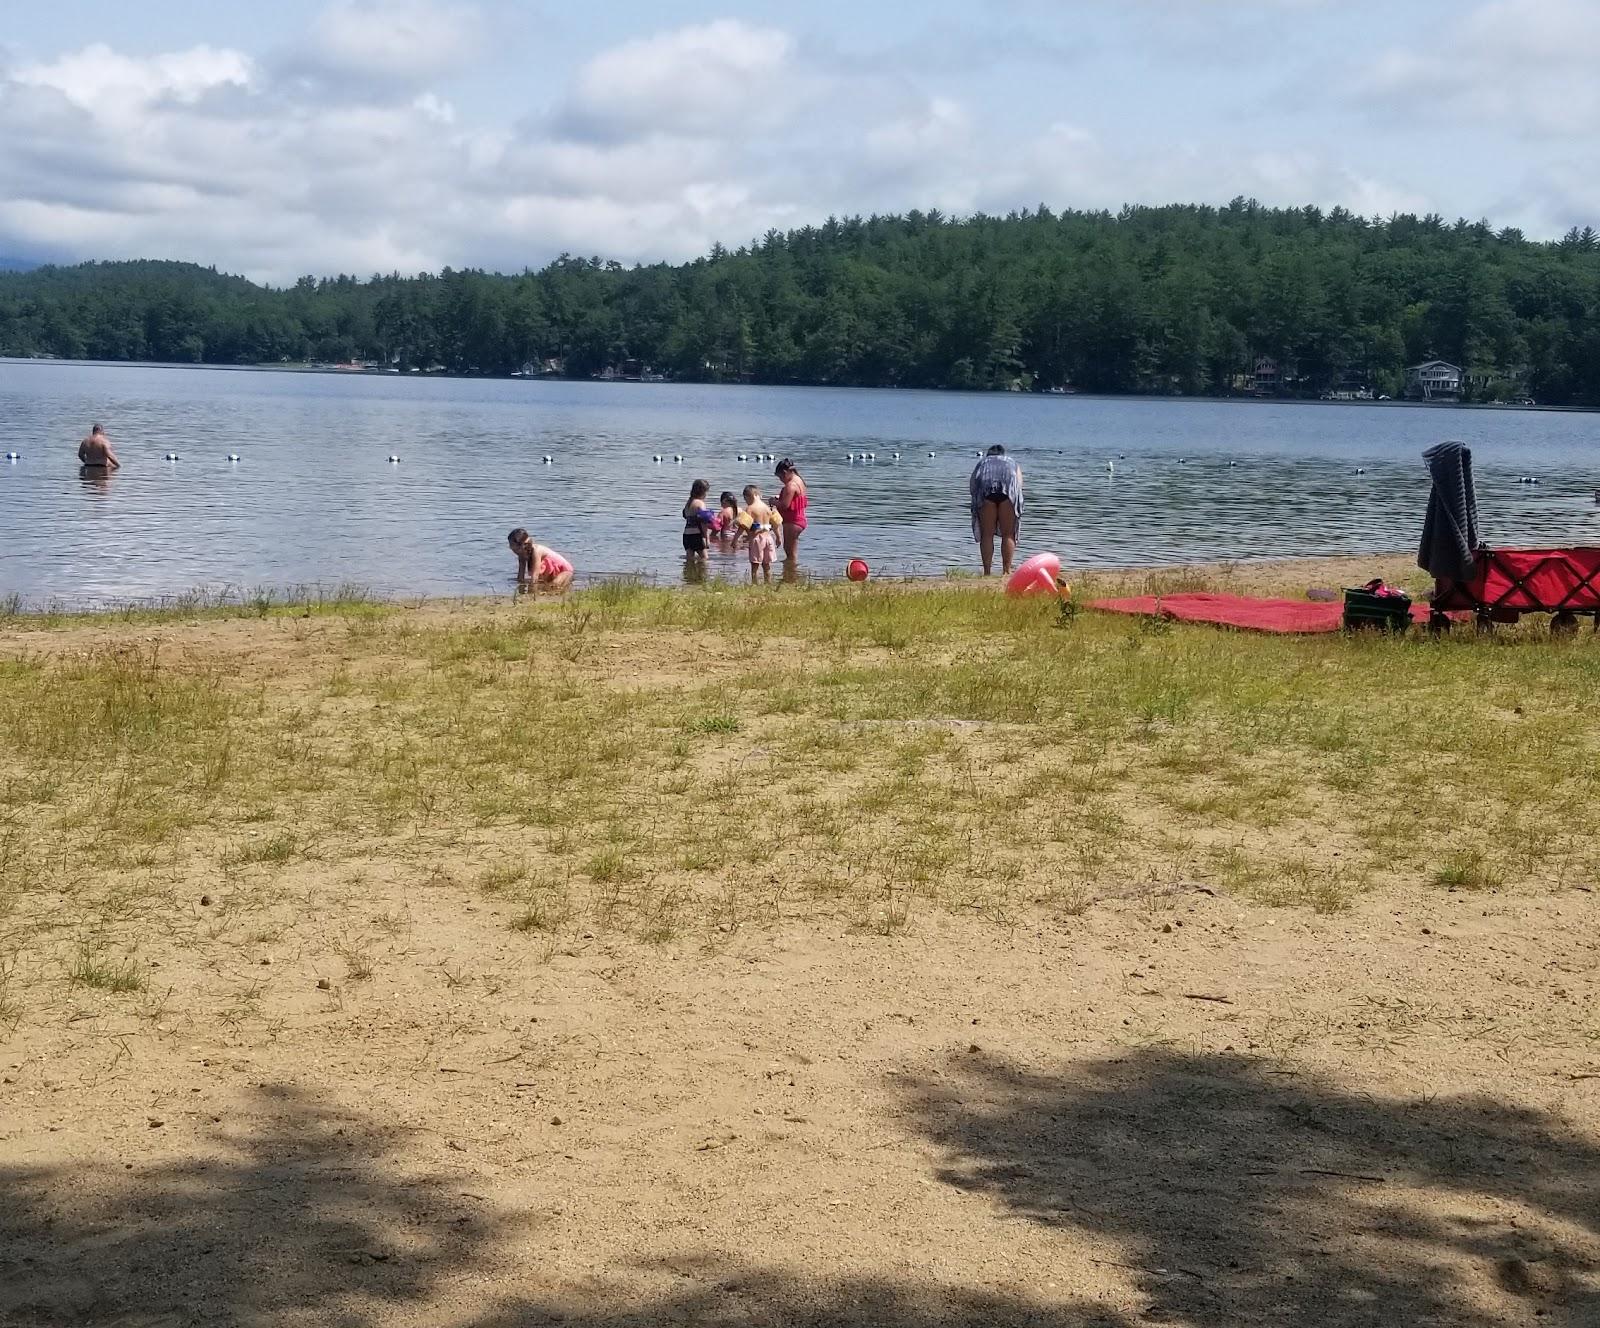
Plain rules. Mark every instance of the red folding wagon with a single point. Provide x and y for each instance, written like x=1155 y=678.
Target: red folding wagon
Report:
x=1506 y=583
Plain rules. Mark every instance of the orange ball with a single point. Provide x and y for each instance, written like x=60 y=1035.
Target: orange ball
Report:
x=857 y=570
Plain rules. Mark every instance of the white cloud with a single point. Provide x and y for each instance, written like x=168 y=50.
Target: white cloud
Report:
x=1523 y=65
x=706 y=79
x=405 y=42
x=105 y=84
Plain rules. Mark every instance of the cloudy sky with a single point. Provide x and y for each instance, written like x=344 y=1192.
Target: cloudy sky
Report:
x=328 y=136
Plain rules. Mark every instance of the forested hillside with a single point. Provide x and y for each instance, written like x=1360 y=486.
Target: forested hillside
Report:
x=1174 y=299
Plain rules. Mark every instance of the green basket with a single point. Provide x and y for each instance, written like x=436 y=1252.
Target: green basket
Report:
x=1365 y=608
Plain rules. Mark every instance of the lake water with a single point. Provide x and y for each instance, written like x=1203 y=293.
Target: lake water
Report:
x=315 y=500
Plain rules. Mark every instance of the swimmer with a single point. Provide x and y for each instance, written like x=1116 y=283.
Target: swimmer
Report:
x=763 y=537
x=538 y=566
x=94 y=452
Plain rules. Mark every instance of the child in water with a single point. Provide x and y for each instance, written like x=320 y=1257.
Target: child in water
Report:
x=537 y=565
x=727 y=526
x=697 y=518
x=763 y=530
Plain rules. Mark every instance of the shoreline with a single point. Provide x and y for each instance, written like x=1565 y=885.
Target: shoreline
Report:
x=1255 y=575
x=333 y=371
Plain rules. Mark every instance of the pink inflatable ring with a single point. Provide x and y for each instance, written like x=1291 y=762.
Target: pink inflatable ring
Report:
x=1037 y=576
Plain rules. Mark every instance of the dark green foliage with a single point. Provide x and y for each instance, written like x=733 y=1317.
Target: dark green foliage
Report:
x=1169 y=300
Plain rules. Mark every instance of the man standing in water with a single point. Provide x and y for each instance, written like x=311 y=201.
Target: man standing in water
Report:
x=94 y=452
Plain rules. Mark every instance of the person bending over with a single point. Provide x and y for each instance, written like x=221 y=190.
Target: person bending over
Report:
x=996 y=493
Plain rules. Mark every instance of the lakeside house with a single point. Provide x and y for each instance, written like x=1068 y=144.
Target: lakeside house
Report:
x=1434 y=380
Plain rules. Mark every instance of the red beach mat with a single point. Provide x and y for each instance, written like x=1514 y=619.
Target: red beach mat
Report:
x=1284 y=616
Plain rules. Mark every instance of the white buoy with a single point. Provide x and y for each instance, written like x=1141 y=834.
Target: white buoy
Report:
x=741 y=456
x=170 y=456
x=1232 y=464
x=872 y=456
x=547 y=460
x=894 y=456
x=13 y=456
x=1361 y=470
x=1111 y=465
x=657 y=458
x=676 y=459
x=932 y=454
x=393 y=460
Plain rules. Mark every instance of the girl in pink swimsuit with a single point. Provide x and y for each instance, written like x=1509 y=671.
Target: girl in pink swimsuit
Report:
x=791 y=505
x=538 y=565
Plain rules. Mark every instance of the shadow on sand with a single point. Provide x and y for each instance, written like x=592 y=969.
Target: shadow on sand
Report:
x=1238 y=1196
x=1224 y=1196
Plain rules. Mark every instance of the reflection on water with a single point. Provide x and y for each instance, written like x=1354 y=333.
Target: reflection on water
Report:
x=315 y=499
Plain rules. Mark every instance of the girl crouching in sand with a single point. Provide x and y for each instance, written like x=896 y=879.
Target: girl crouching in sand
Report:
x=538 y=566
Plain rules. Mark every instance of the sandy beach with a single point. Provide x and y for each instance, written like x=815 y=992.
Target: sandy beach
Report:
x=895 y=956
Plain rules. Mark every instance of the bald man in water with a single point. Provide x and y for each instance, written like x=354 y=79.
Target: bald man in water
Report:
x=94 y=452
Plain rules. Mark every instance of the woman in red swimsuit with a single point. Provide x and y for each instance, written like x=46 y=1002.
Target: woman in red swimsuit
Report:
x=791 y=505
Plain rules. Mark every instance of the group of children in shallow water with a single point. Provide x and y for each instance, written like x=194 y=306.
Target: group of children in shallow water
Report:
x=759 y=526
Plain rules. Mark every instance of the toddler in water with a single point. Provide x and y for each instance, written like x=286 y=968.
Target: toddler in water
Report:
x=727 y=523
x=537 y=565
x=763 y=528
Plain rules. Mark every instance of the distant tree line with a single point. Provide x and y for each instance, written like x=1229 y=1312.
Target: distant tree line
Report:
x=1182 y=299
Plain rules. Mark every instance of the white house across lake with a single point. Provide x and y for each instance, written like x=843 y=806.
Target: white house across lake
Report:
x=1435 y=380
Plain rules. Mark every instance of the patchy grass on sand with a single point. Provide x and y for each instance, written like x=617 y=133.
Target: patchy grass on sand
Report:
x=670 y=765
